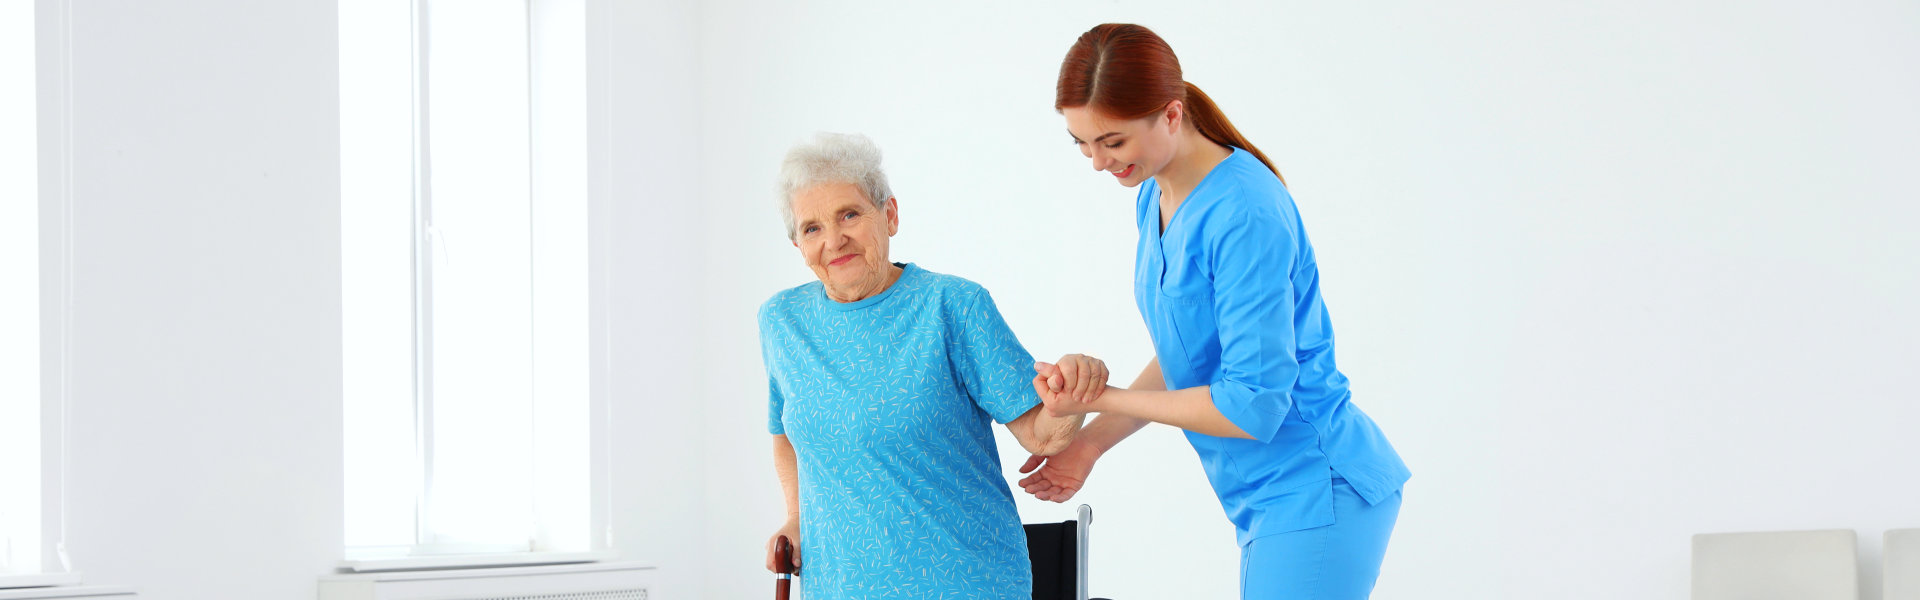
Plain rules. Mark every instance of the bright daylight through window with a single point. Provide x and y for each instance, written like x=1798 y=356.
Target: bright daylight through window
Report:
x=20 y=464
x=464 y=260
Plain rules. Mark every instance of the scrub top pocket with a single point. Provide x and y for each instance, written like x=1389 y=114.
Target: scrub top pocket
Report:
x=1191 y=314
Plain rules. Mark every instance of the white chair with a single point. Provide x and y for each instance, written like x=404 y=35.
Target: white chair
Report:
x=1779 y=565
x=1901 y=559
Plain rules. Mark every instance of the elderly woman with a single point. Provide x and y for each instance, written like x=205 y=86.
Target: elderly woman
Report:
x=881 y=379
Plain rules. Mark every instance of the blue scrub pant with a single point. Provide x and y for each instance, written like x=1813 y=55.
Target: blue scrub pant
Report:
x=1331 y=562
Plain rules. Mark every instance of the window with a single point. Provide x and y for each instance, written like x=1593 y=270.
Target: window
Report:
x=19 y=295
x=464 y=277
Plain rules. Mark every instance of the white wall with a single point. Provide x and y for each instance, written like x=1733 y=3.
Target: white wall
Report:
x=205 y=417
x=656 y=313
x=205 y=430
x=1607 y=275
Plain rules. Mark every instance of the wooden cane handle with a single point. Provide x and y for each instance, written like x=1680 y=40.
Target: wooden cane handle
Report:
x=783 y=559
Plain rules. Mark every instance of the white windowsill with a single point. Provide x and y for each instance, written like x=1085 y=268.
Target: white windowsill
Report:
x=62 y=592
x=8 y=582
x=484 y=572
x=471 y=561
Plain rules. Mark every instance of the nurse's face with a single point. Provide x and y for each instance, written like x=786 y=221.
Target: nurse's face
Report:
x=844 y=239
x=1130 y=150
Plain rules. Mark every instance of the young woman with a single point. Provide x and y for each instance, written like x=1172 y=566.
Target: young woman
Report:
x=1243 y=346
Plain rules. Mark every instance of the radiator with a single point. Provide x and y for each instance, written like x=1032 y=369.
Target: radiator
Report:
x=595 y=581
x=639 y=594
x=73 y=592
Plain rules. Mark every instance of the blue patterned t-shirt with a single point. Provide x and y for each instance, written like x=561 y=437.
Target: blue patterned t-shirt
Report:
x=887 y=402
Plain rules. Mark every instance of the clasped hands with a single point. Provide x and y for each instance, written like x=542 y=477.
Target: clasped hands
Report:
x=1072 y=385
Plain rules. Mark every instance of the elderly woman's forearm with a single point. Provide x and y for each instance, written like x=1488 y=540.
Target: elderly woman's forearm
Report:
x=1044 y=435
x=787 y=467
x=1056 y=433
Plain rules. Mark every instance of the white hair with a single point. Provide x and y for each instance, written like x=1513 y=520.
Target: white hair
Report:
x=832 y=158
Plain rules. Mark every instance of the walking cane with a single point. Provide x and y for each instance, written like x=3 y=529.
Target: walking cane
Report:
x=783 y=581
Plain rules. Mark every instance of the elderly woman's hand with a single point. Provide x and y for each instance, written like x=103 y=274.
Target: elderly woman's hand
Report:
x=1077 y=377
x=791 y=531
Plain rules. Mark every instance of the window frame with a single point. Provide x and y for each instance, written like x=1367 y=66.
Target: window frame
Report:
x=49 y=297
x=22 y=458
x=588 y=460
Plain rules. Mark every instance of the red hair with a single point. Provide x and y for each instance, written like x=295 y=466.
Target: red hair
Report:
x=1128 y=72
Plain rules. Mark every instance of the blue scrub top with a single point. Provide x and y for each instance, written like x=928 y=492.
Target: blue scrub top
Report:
x=1231 y=295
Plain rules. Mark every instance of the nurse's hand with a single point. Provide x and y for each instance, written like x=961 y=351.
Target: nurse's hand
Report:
x=1059 y=476
x=1078 y=377
x=1056 y=404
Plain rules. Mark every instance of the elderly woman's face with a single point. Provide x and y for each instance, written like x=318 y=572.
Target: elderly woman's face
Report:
x=844 y=239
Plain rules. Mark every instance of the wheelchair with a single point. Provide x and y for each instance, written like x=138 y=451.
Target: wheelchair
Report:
x=1059 y=555
x=1058 y=552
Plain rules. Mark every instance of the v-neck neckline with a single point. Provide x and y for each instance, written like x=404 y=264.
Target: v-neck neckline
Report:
x=1161 y=193
x=1160 y=229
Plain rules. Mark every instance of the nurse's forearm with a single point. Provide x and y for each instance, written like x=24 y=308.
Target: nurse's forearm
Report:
x=787 y=467
x=1108 y=430
x=1150 y=379
x=1190 y=409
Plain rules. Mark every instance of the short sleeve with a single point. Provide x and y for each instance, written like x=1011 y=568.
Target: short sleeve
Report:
x=776 y=403
x=775 y=407
x=987 y=359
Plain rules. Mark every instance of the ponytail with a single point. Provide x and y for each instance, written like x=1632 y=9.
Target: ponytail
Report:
x=1213 y=124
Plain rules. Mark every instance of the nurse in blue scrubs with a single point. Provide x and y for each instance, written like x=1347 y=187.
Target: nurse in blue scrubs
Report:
x=1227 y=283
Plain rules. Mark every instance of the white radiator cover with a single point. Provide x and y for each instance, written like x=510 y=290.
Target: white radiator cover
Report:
x=595 y=581
x=76 y=592
x=639 y=594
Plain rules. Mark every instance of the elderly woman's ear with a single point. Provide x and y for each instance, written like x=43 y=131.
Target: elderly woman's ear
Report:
x=893 y=216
